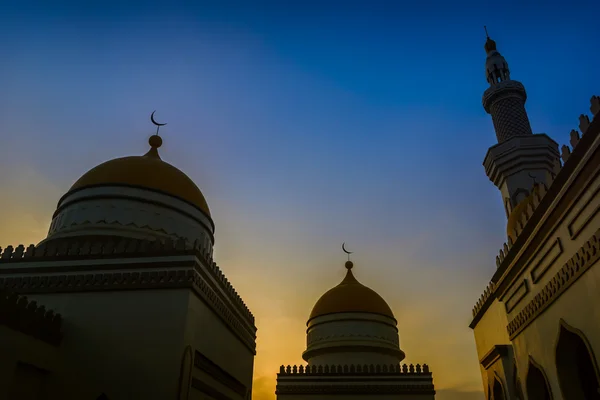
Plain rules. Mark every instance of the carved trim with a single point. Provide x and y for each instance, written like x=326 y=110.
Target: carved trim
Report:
x=518 y=294
x=206 y=365
x=70 y=192
x=546 y=261
x=75 y=249
x=110 y=281
x=585 y=257
x=338 y=389
x=496 y=353
x=574 y=227
x=411 y=370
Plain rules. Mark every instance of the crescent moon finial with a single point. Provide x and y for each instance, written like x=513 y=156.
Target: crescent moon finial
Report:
x=158 y=125
x=346 y=250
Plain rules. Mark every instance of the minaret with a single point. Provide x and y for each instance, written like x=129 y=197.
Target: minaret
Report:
x=521 y=158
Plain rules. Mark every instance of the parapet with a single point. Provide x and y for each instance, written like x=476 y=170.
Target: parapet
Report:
x=392 y=369
x=18 y=313
x=487 y=295
x=62 y=249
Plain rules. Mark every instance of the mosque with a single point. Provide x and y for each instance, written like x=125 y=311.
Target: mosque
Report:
x=536 y=325
x=123 y=299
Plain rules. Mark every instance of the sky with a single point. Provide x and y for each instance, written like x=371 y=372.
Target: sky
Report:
x=305 y=124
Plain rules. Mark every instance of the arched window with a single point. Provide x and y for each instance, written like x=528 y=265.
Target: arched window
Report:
x=537 y=384
x=497 y=390
x=576 y=366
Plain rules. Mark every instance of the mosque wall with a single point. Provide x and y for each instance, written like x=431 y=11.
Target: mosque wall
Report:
x=222 y=361
x=538 y=342
x=25 y=363
x=126 y=344
x=489 y=332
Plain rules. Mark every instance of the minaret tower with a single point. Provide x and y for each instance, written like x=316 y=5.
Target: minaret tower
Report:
x=521 y=158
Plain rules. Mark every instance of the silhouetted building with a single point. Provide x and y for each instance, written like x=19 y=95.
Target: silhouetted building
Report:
x=536 y=326
x=353 y=351
x=144 y=311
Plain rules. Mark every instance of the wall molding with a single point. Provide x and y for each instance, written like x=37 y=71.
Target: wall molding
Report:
x=111 y=281
x=546 y=261
x=585 y=257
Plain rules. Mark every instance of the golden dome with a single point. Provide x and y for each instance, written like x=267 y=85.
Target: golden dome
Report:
x=517 y=213
x=350 y=296
x=147 y=171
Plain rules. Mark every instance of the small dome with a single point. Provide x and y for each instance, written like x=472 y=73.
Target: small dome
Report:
x=517 y=213
x=350 y=296
x=148 y=172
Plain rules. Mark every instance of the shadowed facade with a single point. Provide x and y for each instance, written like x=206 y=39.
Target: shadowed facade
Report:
x=535 y=328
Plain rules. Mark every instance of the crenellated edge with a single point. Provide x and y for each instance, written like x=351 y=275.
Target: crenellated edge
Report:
x=18 y=313
x=113 y=247
x=352 y=369
x=484 y=299
x=538 y=195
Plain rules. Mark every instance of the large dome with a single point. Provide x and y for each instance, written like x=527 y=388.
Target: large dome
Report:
x=139 y=197
x=147 y=172
x=351 y=296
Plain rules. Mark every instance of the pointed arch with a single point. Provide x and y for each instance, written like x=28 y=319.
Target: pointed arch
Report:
x=537 y=382
x=576 y=365
x=498 y=388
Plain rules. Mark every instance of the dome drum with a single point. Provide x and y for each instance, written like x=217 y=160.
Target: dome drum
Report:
x=129 y=212
x=354 y=335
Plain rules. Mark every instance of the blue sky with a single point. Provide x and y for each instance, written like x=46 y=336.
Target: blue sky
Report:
x=305 y=124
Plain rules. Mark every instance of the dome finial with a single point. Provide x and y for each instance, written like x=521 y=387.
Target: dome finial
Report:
x=349 y=263
x=490 y=45
x=346 y=251
x=155 y=140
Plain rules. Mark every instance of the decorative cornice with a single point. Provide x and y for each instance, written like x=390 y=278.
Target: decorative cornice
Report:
x=110 y=247
x=109 y=281
x=496 y=352
x=370 y=390
x=17 y=313
x=362 y=370
x=585 y=257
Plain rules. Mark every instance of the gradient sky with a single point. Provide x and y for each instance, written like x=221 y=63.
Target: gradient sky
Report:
x=305 y=124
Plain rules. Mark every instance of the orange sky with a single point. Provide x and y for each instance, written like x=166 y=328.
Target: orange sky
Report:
x=280 y=271
x=304 y=128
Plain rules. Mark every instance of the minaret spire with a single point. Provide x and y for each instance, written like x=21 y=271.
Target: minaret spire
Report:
x=520 y=157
